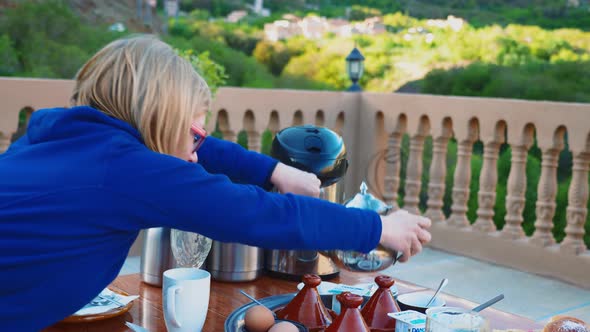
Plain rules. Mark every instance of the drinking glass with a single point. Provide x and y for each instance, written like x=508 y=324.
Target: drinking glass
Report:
x=449 y=319
x=189 y=249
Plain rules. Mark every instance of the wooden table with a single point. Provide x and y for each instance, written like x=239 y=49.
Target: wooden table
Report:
x=225 y=298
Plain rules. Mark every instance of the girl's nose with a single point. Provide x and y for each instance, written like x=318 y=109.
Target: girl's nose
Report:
x=193 y=158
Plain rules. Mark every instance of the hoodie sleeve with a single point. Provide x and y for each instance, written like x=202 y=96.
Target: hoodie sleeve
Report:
x=240 y=165
x=163 y=191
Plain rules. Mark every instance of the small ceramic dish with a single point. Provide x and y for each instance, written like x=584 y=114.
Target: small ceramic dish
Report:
x=235 y=320
x=105 y=315
x=417 y=301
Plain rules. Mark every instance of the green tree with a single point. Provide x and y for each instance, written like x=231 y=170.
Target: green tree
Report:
x=49 y=40
x=241 y=70
x=274 y=55
x=211 y=71
x=359 y=13
x=8 y=57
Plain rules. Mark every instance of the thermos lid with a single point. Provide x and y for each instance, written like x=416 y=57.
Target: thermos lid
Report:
x=313 y=149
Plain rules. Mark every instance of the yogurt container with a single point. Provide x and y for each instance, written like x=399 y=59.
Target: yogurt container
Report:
x=409 y=321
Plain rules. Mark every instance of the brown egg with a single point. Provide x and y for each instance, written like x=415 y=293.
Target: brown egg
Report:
x=258 y=319
x=283 y=327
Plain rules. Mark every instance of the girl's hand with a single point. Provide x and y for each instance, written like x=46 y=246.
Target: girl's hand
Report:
x=405 y=233
x=289 y=179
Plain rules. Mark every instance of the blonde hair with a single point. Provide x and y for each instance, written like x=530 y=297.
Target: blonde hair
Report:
x=142 y=81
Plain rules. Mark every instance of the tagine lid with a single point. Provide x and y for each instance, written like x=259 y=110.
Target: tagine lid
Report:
x=307 y=306
x=380 y=304
x=350 y=318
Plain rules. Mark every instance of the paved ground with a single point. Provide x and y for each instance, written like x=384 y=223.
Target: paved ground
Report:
x=526 y=294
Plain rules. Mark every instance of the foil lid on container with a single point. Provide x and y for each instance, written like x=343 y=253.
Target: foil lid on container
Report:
x=365 y=200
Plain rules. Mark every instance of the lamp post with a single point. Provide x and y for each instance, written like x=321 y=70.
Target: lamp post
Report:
x=354 y=67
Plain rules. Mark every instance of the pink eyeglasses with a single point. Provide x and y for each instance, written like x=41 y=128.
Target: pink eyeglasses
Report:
x=200 y=134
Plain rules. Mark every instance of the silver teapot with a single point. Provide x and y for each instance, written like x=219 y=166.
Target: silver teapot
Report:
x=377 y=259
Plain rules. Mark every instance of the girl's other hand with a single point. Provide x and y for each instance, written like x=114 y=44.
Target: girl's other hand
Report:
x=289 y=179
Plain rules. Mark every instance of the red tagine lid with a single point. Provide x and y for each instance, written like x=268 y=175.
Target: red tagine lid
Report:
x=350 y=318
x=307 y=307
x=379 y=305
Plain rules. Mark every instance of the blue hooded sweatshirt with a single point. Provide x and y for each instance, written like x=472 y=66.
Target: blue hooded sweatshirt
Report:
x=76 y=190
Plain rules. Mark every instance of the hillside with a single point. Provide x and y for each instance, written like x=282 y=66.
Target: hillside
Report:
x=551 y=14
x=101 y=13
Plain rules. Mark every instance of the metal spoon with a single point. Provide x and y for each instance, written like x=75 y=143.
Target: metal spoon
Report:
x=257 y=302
x=488 y=303
x=443 y=283
x=135 y=327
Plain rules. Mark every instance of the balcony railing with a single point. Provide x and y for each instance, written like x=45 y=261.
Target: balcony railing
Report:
x=374 y=126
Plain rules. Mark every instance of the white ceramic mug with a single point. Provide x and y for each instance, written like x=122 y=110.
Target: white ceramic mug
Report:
x=185 y=299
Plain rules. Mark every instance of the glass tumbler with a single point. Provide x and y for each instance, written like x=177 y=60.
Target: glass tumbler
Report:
x=449 y=319
x=189 y=249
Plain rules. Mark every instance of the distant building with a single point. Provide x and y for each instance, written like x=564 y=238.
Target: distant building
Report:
x=291 y=18
x=452 y=22
x=314 y=27
x=236 y=16
x=573 y=3
x=340 y=27
x=259 y=9
x=370 y=26
x=281 y=29
x=258 y=6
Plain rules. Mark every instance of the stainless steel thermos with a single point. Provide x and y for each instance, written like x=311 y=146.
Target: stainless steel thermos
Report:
x=156 y=255
x=235 y=262
x=320 y=151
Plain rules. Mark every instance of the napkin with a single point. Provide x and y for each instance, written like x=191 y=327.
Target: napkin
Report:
x=92 y=309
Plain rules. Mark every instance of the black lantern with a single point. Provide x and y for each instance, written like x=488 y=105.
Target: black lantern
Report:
x=354 y=67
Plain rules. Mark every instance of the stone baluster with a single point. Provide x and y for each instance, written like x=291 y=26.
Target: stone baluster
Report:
x=436 y=186
x=392 y=168
x=546 y=193
x=414 y=175
x=229 y=135
x=515 y=198
x=486 y=197
x=462 y=178
x=254 y=141
x=576 y=210
x=4 y=142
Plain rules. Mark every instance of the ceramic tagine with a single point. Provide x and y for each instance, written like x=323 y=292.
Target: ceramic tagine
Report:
x=379 y=305
x=350 y=318
x=307 y=307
